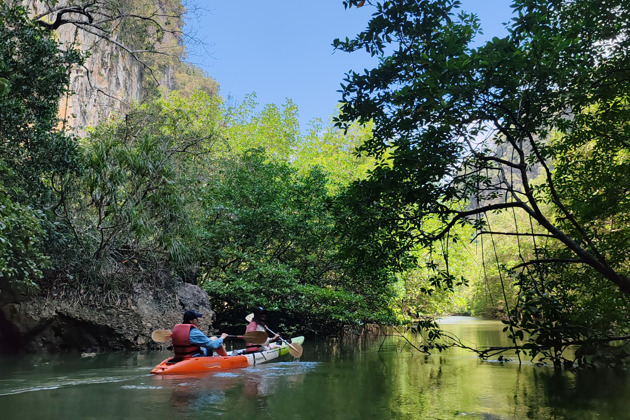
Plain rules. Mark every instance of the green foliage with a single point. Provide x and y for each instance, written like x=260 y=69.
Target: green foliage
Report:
x=173 y=187
x=36 y=72
x=21 y=258
x=335 y=152
x=135 y=201
x=270 y=240
x=4 y=86
x=165 y=189
x=438 y=283
x=592 y=171
x=274 y=129
x=495 y=290
x=454 y=123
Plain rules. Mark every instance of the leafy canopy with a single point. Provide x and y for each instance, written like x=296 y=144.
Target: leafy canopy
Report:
x=464 y=131
x=34 y=74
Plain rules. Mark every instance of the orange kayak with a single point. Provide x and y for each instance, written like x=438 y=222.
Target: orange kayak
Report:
x=235 y=360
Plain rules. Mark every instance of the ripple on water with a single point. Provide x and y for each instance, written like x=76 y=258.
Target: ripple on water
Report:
x=65 y=383
x=142 y=386
x=283 y=368
x=226 y=375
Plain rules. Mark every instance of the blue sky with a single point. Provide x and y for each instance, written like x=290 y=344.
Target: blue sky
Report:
x=282 y=49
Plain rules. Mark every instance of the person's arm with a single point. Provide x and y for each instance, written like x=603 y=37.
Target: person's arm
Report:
x=262 y=328
x=200 y=339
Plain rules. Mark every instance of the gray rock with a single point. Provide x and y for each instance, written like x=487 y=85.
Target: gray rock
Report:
x=71 y=322
x=192 y=297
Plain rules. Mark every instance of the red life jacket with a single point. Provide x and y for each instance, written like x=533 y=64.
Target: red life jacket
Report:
x=181 y=341
x=251 y=347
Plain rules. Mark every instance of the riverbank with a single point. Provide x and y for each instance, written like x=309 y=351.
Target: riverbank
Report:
x=60 y=320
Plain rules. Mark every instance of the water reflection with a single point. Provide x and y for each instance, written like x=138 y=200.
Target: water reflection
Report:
x=221 y=392
x=368 y=376
x=407 y=384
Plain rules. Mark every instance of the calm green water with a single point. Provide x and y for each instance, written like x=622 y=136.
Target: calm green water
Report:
x=334 y=380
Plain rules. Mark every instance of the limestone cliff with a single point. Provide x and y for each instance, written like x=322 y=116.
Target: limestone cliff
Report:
x=128 y=61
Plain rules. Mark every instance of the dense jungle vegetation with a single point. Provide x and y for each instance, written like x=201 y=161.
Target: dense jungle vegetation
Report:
x=489 y=180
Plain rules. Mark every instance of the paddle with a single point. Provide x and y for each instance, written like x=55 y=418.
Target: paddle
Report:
x=294 y=348
x=256 y=337
x=161 y=336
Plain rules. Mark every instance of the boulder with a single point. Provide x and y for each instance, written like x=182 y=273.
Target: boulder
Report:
x=72 y=322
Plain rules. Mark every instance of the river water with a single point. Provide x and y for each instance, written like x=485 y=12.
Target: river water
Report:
x=354 y=379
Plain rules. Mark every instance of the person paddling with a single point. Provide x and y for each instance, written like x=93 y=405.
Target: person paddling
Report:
x=189 y=341
x=258 y=323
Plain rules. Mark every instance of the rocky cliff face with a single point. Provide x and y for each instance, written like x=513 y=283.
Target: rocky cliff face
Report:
x=108 y=84
x=58 y=322
x=112 y=79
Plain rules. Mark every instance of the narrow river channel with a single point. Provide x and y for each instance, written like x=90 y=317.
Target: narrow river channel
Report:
x=368 y=379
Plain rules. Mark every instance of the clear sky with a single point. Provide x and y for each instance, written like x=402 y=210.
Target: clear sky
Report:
x=282 y=49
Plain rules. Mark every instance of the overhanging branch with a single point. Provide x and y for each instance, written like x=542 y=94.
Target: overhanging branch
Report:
x=549 y=261
x=63 y=10
x=488 y=232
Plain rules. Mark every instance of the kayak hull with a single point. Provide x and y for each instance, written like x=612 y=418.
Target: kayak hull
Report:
x=235 y=360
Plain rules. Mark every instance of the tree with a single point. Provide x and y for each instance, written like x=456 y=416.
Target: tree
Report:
x=21 y=256
x=136 y=202
x=420 y=290
x=37 y=73
x=335 y=152
x=34 y=74
x=270 y=239
x=460 y=131
x=275 y=129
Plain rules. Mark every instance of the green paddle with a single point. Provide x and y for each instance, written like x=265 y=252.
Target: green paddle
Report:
x=256 y=337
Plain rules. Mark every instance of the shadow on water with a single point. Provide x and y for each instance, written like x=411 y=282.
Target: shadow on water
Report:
x=355 y=377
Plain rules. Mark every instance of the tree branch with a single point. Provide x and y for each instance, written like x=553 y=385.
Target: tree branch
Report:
x=62 y=10
x=544 y=235
x=549 y=261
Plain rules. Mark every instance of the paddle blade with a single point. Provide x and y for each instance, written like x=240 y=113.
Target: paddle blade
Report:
x=256 y=337
x=161 y=336
x=295 y=350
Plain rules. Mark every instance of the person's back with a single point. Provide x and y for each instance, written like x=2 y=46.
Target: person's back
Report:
x=258 y=323
x=181 y=341
x=189 y=341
